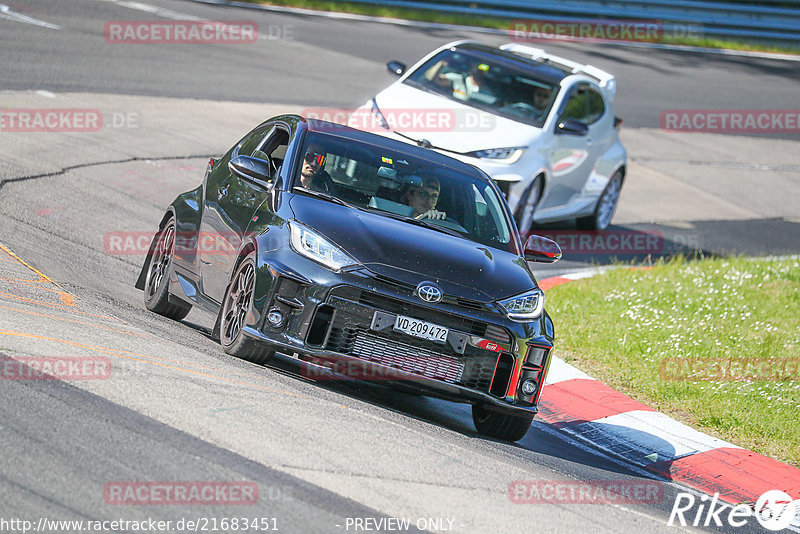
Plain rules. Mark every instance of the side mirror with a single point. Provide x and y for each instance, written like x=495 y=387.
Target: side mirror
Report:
x=252 y=169
x=542 y=250
x=572 y=127
x=396 y=68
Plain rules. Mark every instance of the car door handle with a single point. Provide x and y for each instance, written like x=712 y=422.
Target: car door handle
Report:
x=588 y=141
x=223 y=192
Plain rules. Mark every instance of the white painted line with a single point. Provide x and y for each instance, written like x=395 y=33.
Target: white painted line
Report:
x=561 y=371
x=494 y=31
x=583 y=274
x=155 y=10
x=6 y=13
x=578 y=441
x=639 y=434
x=174 y=15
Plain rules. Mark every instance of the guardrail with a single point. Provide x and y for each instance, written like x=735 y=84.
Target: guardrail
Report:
x=712 y=19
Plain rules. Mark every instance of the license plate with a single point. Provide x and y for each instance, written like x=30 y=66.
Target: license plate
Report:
x=420 y=329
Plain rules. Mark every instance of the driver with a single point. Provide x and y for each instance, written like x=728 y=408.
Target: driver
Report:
x=531 y=105
x=423 y=199
x=541 y=97
x=313 y=174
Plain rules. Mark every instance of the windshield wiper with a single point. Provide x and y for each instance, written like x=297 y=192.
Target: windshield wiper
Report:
x=418 y=222
x=422 y=87
x=426 y=224
x=325 y=196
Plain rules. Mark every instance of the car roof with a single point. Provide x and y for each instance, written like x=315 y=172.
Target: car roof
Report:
x=544 y=71
x=347 y=133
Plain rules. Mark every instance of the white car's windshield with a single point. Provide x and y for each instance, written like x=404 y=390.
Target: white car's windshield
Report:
x=483 y=84
x=395 y=184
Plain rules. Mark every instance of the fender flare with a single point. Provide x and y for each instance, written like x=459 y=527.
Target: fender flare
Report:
x=143 y=273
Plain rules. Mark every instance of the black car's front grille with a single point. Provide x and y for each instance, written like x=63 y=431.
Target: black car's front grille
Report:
x=408 y=290
x=397 y=306
x=406 y=357
x=350 y=333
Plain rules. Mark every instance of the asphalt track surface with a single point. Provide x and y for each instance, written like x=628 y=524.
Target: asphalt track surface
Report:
x=175 y=407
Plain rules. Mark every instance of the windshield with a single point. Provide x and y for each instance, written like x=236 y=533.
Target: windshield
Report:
x=394 y=184
x=493 y=87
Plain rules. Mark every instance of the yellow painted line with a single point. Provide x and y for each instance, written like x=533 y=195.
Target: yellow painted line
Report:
x=93 y=325
x=62 y=307
x=34 y=283
x=66 y=297
x=117 y=352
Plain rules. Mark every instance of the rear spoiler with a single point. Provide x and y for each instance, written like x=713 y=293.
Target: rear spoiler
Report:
x=605 y=80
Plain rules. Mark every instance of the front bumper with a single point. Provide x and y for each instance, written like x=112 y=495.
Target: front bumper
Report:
x=345 y=321
x=352 y=367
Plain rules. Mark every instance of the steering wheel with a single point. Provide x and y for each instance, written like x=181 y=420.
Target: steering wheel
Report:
x=524 y=107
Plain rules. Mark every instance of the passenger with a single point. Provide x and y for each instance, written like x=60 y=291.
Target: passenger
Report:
x=470 y=86
x=313 y=174
x=424 y=198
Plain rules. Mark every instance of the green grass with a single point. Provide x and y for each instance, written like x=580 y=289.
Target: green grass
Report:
x=427 y=15
x=694 y=316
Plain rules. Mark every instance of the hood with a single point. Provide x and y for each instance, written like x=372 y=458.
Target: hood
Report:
x=454 y=126
x=411 y=254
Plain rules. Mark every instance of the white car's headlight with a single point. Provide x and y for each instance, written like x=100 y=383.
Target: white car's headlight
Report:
x=501 y=155
x=525 y=307
x=313 y=246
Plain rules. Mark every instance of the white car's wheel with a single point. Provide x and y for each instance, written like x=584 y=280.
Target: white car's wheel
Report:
x=526 y=207
x=606 y=206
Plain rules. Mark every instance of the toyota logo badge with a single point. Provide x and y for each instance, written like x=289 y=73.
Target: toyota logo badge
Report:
x=429 y=292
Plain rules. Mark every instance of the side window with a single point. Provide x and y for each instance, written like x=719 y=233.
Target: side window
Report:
x=253 y=140
x=489 y=220
x=597 y=107
x=577 y=105
x=274 y=146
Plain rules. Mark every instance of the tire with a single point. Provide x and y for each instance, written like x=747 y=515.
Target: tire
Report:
x=236 y=306
x=523 y=214
x=156 y=285
x=500 y=425
x=606 y=206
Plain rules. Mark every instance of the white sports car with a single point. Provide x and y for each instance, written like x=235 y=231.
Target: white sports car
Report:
x=541 y=126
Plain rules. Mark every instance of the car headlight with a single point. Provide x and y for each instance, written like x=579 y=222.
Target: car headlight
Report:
x=377 y=116
x=501 y=155
x=313 y=246
x=525 y=307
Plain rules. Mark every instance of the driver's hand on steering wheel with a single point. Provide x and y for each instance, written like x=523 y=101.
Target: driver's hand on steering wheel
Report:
x=432 y=214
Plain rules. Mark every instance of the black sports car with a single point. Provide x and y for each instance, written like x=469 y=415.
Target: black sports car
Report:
x=335 y=245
